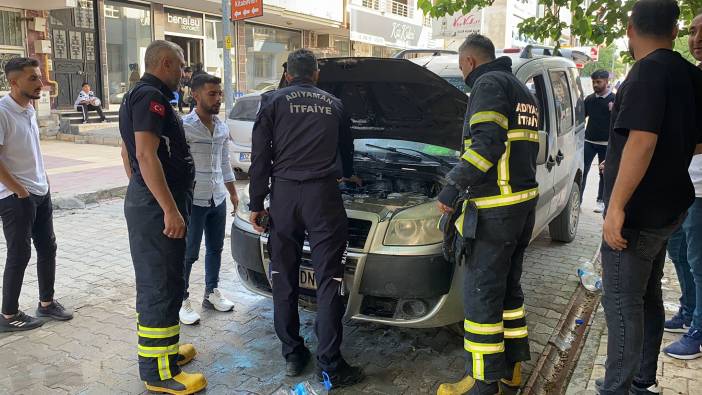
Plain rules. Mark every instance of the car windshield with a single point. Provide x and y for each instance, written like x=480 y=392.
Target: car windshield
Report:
x=245 y=109
x=360 y=145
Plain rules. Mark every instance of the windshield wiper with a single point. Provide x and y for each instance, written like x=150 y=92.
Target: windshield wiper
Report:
x=395 y=151
x=440 y=161
x=371 y=157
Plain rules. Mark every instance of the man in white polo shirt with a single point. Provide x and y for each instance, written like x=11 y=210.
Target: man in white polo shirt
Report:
x=25 y=202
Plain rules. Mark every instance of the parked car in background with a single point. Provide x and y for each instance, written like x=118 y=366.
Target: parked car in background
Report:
x=240 y=122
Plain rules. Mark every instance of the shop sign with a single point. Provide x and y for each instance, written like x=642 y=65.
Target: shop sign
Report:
x=245 y=9
x=184 y=22
x=376 y=29
x=458 y=24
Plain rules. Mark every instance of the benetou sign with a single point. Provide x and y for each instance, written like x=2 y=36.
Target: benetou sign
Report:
x=458 y=24
x=184 y=22
x=376 y=29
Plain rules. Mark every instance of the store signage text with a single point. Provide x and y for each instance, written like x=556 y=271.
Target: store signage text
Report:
x=181 y=22
x=457 y=25
x=402 y=32
x=244 y=9
x=377 y=29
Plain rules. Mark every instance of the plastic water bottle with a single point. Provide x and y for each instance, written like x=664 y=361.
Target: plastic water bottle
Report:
x=588 y=278
x=314 y=388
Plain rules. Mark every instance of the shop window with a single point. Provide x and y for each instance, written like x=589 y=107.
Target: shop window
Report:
x=374 y=4
x=267 y=48
x=10 y=29
x=400 y=7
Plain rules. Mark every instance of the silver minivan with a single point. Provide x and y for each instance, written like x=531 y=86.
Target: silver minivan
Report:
x=407 y=119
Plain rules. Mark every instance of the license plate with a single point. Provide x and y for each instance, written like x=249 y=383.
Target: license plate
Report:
x=307 y=279
x=245 y=157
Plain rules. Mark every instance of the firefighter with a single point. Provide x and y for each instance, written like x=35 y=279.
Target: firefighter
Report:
x=496 y=180
x=296 y=137
x=161 y=172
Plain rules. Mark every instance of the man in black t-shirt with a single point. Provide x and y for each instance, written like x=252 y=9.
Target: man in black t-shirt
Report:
x=157 y=206
x=654 y=133
x=598 y=107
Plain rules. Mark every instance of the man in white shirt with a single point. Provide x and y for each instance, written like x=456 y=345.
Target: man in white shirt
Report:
x=208 y=137
x=25 y=202
x=87 y=101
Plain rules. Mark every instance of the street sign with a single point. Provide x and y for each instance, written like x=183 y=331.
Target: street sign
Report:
x=228 y=42
x=245 y=9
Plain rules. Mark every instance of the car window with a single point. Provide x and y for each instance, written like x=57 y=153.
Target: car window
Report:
x=563 y=102
x=537 y=87
x=578 y=95
x=458 y=83
x=245 y=110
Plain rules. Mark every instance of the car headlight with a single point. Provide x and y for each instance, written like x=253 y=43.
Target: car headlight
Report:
x=242 y=210
x=415 y=226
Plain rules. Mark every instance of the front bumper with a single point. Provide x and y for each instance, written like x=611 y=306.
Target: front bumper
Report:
x=400 y=286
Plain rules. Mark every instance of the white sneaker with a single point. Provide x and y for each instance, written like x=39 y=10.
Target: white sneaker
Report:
x=599 y=207
x=187 y=315
x=217 y=301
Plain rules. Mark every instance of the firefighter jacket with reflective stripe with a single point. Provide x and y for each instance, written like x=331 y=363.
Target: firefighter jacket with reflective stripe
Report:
x=501 y=139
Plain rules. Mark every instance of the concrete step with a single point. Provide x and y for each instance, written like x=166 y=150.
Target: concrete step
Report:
x=74 y=114
x=92 y=118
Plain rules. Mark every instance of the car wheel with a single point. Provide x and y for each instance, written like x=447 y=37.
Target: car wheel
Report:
x=564 y=227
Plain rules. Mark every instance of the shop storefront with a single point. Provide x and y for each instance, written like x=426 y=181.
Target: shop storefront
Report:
x=380 y=36
x=267 y=48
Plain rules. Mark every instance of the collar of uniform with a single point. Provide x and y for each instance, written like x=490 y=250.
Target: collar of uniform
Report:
x=13 y=105
x=155 y=81
x=503 y=63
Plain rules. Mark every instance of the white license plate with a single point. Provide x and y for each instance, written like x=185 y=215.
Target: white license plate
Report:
x=307 y=278
x=245 y=157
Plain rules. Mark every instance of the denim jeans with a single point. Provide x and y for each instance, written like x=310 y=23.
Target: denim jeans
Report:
x=633 y=305
x=211 y=220
x=685 y=250
x=592 y=150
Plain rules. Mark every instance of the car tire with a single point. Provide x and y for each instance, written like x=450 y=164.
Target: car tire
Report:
x=564 y=227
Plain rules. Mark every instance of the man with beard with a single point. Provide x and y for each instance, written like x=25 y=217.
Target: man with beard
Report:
x=598 y=107
x=654 y=133
x=25 y=201
x=208 y=137
x=157 y=208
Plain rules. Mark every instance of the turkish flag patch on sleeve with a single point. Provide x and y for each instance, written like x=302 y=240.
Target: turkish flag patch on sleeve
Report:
x=157 y=108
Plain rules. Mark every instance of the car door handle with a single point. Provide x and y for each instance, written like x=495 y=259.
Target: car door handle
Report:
x=559 y=157
x=550 y=163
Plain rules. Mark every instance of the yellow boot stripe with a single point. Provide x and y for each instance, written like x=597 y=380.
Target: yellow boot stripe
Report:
x=174 y=328
x=157 y=352
x=514 y=314
x=516 y=333
x=478 y=366
x=482 y=329
x=484 y=348
x=164 y=370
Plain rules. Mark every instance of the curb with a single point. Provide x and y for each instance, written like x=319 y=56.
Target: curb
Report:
x=80 y=201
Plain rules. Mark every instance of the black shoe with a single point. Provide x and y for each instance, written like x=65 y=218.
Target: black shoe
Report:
x=296 y=363
x=345 y=376
x=19 y=322
x=55 y=310
x=635 y=389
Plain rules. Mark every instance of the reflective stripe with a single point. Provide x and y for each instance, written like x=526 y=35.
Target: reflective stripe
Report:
x=478 y=366
x=477 y=160
x=467 y=143
x=506 y=200
x=482 y=329
x=523 y=135
x=157 y=352
x=158 y=333
x=490 y=116
x=503 y=171
x=170 y=328
x=164 y=369
x=516 y=333
x=514 y=314
x=484 y=348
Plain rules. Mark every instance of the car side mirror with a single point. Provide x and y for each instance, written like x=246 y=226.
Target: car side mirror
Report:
x=543 y=148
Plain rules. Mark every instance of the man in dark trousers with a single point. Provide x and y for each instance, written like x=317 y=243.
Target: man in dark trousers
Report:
x=298 y=133
x=598 y=107
x=498 y=168
x=157 y=206
x=655 y=129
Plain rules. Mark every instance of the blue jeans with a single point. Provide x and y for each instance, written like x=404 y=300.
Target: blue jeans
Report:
x=633 y=305
x=685 y=250
x=211 y=220
x=592 y=150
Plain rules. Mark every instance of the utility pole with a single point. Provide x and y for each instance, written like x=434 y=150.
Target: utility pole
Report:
x=226 y=57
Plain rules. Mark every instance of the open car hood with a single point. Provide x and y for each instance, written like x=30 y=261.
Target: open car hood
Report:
x=396 y=99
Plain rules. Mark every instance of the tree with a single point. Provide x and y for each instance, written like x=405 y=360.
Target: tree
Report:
x=609 y=60
x=602 y=22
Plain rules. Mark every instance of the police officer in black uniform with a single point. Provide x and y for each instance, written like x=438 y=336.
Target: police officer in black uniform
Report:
x=298 y=133
x=161 y=172
x=497 y=178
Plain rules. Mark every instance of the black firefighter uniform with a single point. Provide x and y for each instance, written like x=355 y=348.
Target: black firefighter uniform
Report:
x=498 y=171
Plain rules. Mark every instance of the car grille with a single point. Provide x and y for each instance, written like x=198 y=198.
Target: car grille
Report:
x=358 y=232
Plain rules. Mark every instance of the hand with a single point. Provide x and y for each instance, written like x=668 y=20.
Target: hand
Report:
x=612 y=229
x=234 y=198
x=353 y=179
x=253 y=218
x=602 y=165
x=444 y=208
x=174 y=225
x=23 y=193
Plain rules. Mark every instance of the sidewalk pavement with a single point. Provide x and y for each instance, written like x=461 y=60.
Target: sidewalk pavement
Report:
x=82 y=173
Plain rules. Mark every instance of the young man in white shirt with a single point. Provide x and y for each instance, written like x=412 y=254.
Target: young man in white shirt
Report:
x=87 y=101
x=25 y=201
x=208 y=137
